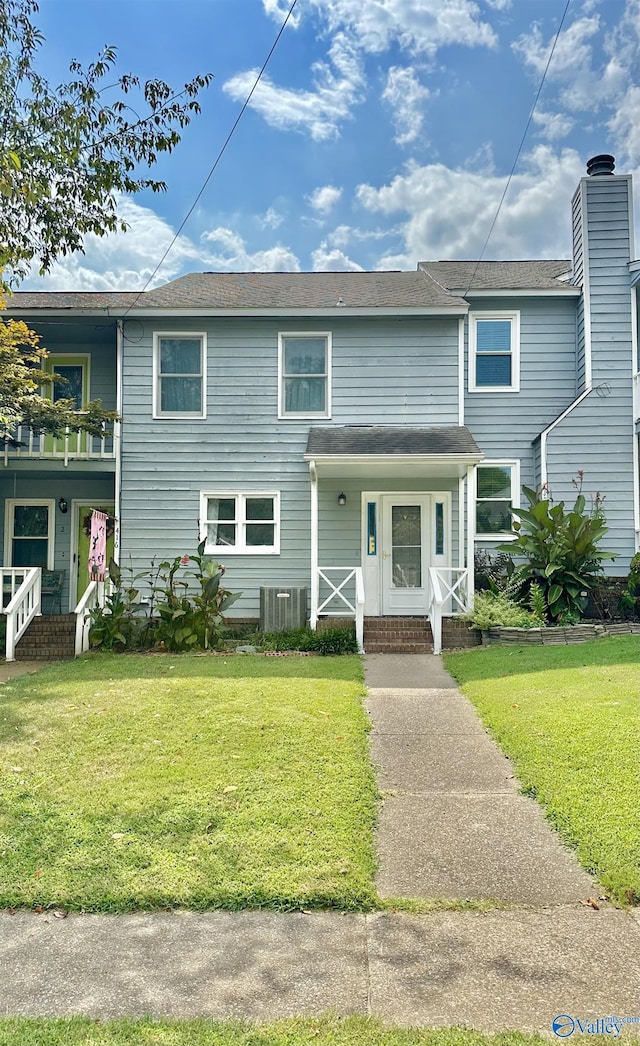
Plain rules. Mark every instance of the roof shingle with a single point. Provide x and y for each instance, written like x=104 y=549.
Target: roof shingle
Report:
x=459 y=276
x=403 y=440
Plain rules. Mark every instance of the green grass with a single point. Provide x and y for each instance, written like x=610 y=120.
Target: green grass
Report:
x=569 y=719
x=195 y=781
x=297 y=1031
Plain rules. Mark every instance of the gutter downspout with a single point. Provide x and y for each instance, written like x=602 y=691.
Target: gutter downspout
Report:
x=313 y=475
x=117 y=439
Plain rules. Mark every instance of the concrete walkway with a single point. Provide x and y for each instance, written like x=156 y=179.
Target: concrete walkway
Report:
x=454 y=826
x=453 y=823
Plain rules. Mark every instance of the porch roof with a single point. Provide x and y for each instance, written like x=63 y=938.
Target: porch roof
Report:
x=395 y=450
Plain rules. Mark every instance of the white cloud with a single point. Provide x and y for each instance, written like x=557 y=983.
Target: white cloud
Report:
x=228 y=253
x=417 y=26
x=337 y=88
x=124 y=261
x=279 y=9
x=553 y=126
x=272 y=219
x=450 y=211
x=406 y=96
x=324 y=198
x=326 y=259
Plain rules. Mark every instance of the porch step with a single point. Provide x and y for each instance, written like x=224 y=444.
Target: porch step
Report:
x=398 y=635
x=51 y=637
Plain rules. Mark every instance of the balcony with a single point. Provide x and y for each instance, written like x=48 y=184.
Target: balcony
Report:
x=26 y=445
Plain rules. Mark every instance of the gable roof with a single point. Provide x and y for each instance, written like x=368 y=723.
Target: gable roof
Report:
x=260 y=292
x=458 y=277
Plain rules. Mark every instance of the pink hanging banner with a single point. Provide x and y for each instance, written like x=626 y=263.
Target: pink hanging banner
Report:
x=98 y=546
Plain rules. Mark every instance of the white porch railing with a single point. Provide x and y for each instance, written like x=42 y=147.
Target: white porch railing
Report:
x=24 y=585
x=347 y=592
x=93 y=596
x=24 y=443
x=448 y=594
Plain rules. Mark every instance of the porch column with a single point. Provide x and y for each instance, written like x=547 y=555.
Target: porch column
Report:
x=313 y=475
x=471 y=532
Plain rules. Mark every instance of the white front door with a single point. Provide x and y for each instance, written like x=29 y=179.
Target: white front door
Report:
x=405 y=559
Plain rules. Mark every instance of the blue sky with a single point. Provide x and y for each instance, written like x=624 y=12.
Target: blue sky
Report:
x=382 y=134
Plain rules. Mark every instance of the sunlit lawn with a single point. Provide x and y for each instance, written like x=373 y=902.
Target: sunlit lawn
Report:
x=569 y=717
x=196 y=781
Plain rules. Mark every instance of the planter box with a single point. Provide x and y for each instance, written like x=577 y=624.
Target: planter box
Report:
x=562 y=635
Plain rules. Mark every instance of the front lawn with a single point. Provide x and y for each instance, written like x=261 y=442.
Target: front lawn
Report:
x=296 y=1031
x=569 y=718
x=193 y=781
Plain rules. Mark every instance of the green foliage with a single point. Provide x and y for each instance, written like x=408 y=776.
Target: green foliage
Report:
x=491 y=572
x=327 y=641
x=192 y=621
x=491 y=609
x=630 y=598
x=537 y=603
x=560 y=550
x=66 y=152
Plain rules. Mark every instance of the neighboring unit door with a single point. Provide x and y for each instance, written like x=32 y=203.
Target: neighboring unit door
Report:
x=75 y=387
x=405 y=544
x=84 y=534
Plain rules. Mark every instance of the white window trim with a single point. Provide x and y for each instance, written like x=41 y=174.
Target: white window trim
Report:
x=303 y=334
x=514 y=317
x=241 y=549
x=514 y=465
x=9 y=519
x=179 y=415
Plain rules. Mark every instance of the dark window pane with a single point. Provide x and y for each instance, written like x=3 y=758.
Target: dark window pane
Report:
x=493 y=370
x=180 y=355
x=405 y=525
x=493 y=517
x=305 y=355
x=181 y=395
x=31 y=521
x=260 y=534
x=260 y=508
x=494 y=482
x=71 y=387
x=493 y=336
x=439 y=528
x=221 y=508
x=305 y=395
x=30 y=552
x=407 y=568
x=222 y=533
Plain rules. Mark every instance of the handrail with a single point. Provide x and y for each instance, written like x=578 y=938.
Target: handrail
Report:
x=440 y=591
x=24 y=604
x=70 y=446
x=354 y=609
x=93 y=596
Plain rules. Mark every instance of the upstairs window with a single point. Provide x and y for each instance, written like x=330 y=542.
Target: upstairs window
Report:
x=494 y=352
x=497 y=493
x=179 y=367
x=305 y=375
x=240 y=523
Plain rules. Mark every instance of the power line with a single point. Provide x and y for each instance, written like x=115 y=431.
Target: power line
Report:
x=217 y=159
x=520 y=147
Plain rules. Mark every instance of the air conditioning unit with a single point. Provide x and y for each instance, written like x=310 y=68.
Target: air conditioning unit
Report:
x=282 y=609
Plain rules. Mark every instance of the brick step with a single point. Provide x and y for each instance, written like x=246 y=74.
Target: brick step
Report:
x=398 y=637
x=397 y=622
x=50 y=637
x=398 y=648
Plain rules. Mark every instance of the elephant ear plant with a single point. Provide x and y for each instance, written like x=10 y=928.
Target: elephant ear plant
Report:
x=192 y=620
x=560 y=552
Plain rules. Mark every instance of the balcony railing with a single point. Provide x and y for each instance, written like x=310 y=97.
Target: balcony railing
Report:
x=25 y=444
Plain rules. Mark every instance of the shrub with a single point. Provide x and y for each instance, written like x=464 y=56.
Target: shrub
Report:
x=324 y=641
x=560 y=550
x=336 y=641
x=630 y=598
x=495 y=608
x=491 y=572
x=192 y=621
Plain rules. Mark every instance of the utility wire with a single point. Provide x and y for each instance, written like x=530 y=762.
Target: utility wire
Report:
x=216 y=161
x=520 y=147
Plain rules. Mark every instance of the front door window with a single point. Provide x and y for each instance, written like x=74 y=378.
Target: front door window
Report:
x=406 y=546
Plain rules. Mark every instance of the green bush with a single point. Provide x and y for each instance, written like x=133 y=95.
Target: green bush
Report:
x=495 y=608
x=560 y=550
x=324 y=641
x=630 y=599
x=336 y=641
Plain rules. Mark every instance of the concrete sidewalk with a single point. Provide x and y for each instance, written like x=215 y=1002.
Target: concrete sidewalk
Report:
x=453 y=823
x=454 y=826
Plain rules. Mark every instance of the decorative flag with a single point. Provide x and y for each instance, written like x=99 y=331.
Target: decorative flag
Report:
x=98 y=546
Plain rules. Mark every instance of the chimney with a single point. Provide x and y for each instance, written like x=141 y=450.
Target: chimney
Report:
x=602 y=164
